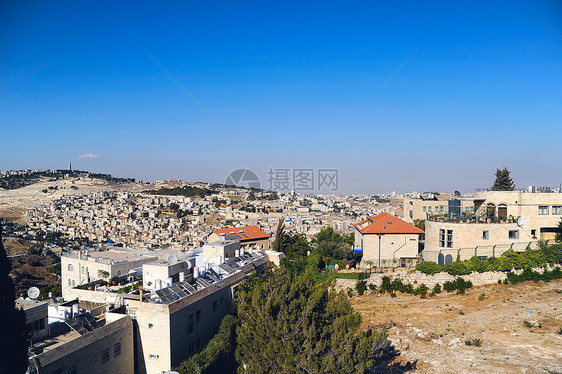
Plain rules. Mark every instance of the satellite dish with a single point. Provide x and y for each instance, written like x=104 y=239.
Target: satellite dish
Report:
x=172 y=260
x=166 y=257
x=520 y=222
x=33 y=292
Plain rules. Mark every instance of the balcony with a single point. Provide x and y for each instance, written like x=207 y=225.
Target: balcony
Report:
x=470 y=218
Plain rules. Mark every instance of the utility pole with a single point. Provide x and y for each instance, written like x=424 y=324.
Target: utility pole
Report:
x=379 y=250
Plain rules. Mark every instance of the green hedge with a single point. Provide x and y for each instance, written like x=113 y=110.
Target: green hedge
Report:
x=529 y=274
x=509 y=260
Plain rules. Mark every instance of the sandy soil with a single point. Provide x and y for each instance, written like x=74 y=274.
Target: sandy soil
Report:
x=430 y=334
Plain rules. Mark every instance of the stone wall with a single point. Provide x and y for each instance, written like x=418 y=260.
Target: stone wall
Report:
x=416 y=278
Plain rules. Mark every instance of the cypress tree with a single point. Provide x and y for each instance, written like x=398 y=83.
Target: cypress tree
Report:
x=503 y=181
x=13 y=344
x=293 y=325
x=280 y=237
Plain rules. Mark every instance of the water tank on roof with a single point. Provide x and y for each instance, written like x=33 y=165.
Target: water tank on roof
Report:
x=169 y=282
x=75 y=310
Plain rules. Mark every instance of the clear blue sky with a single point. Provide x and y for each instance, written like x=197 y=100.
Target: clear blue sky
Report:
x=480 y=88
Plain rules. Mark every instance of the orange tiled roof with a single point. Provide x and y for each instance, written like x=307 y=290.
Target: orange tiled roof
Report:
x=386 y=223
x=242 y=233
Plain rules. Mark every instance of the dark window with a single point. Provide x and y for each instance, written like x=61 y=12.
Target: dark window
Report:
x=485 y=234
x=105 y=355
x=214 y=306
x=190 y=348
x=175 y=278
x=117 y=349
x=198 y=343
x=441 y=238
x=198 y=315
x=543 y=210
x=513 y=234
x=449 y=238
x=190 y=323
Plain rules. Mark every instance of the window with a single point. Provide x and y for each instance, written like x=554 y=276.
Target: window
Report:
x=175 y=278
x=557 y=210
x=198 y=343
x=117 y=349
x=190 y=349
x=39 y=325
x=153 y=356
x=190 y=323
x=486 y=234
x=425 y=209
x=70 y=267
x=150 y=325
x=429 y=209
x=105 y=355
x=534 y=233
x=442 y=208
x=198 y=315
x=214 y=306
x=513 y=234
x=543 y=210
x=73 y=284
x=441 y=238
x=69 y=283
x=449 y=238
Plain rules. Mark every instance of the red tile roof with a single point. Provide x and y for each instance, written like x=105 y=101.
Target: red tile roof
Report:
x=242 y=233
x=386 y=223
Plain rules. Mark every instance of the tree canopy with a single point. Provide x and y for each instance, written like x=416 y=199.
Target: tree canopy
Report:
x=295 y=325
x=503 y=181
x=13 y=355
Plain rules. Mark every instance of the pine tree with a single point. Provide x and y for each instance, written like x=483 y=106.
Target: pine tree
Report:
x=503 y=181
x=293 y=325
x=280 y=237
x=13 y=344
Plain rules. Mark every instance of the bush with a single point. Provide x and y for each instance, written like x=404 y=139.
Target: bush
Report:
x=372 y=287
x=436 y=289
x=358 y=275
x=459 y=284
x=361 y=287
x=535 y=276
x=473 y=342
x=421 y=290
x=508 y=261
x=429 y=267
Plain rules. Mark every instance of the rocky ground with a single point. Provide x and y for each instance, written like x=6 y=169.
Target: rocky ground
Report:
x=517 y=327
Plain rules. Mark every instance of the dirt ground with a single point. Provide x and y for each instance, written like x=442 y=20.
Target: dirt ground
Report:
x=430 y=334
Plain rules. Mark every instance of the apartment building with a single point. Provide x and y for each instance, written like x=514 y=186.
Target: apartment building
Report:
x=490 y=223
x=386 y=240
x=83 y=266
x=175 y=317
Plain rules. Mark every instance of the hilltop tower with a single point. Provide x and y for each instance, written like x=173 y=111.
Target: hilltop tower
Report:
x=69 y=166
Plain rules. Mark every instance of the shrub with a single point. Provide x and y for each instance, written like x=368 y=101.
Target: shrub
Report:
x=361 y=287
x=421 y=290
x=436 y=289
x=372 y=287
x=459 y=284
x=429 y=267
x=481 y=297
x=559 y=332
x=473 y=342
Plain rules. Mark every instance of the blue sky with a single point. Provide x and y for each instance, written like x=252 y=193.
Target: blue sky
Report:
x=480 y=87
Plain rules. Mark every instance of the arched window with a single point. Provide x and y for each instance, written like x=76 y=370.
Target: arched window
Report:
x=73 y=284
x=118 y=273
x=70 y=267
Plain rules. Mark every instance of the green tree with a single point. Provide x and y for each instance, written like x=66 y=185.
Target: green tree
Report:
x=420 y=224
x=503 y=181
x=558 y=237
x=13 y=355
x=294 y=325
x=330 y=244
x=280 y=235
x=218 y=355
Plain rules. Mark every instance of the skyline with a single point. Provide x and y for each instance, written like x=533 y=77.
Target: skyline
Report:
x=433 y=98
